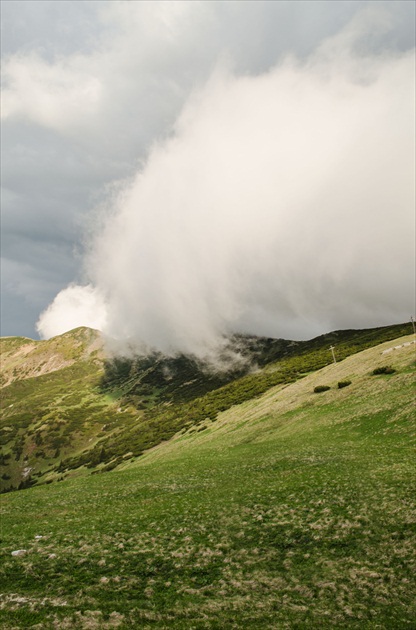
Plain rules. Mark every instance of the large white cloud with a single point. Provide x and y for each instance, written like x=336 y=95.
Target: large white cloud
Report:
x=283 y=205
x=88 y=88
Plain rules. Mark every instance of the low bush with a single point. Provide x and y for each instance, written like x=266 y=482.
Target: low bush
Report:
x=384 y=369
x=342 y=384
x=321 y=388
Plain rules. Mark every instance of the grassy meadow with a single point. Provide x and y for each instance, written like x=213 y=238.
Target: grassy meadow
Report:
x=291 y=510
x=69 y=409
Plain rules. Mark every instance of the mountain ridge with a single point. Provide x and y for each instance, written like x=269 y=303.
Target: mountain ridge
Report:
x=69 y=409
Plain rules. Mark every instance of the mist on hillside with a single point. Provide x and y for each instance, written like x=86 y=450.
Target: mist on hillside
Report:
x=281 y=205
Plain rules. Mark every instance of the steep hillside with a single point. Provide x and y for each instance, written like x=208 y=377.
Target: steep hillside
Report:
x=68 y=409
x=354 y=394
x=51 y=404
x=292 y=510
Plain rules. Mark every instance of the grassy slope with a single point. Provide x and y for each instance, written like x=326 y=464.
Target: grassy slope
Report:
x=51 y=405
x=23 y=358
x=181 y=395
x=67 y=411
x=294 y=510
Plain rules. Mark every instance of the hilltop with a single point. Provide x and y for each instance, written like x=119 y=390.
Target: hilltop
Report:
x=292 y=509
x=23 y=358
x=68 y=408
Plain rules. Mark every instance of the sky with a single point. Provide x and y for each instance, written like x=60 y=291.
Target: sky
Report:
x=173 y=172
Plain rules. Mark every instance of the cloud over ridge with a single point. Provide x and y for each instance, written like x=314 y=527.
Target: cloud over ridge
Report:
x=282 y=204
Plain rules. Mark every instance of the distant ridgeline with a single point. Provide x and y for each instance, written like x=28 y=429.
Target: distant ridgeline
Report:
x=67 y=409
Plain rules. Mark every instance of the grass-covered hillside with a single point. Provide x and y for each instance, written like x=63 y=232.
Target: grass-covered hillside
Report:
x=293 y=509
x=68 y=409
x=50 y=404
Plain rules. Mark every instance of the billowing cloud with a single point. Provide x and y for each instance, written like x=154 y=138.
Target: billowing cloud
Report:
x=74 y=306
x=281 y=205
x=88 y=88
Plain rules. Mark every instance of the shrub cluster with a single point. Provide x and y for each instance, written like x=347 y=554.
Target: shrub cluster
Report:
x=321 y=388
x=342 y=384
x=384 y=369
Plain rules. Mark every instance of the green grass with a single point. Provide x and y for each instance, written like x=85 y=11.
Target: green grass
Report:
x=66 y=410
x=176 y=393
x=289 y=511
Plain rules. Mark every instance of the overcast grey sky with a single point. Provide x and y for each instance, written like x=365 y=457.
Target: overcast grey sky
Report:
x=106 y=106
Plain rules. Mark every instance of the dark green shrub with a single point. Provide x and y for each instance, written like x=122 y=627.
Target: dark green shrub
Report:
x=384 y=369
x=4 y=458
x=342 y=384
x=321 y=388
x=112 y=465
